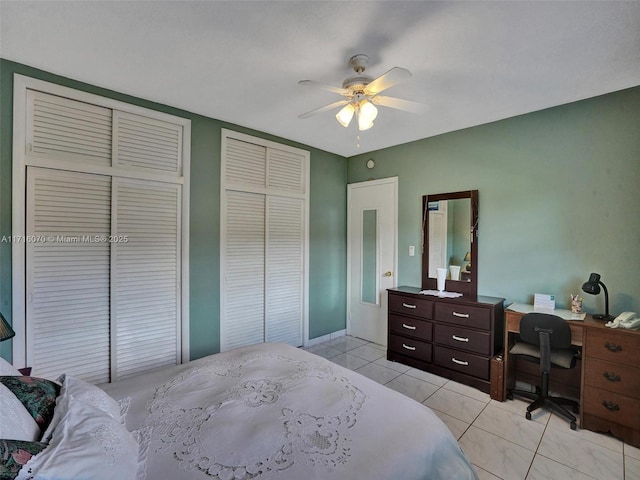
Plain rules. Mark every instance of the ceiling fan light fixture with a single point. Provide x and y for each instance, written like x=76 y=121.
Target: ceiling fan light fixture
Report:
x=367 y=113
x=345 y=115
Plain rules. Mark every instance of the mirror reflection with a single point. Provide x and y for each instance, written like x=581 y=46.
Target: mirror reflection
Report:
x=450 y=235
x=450 y=238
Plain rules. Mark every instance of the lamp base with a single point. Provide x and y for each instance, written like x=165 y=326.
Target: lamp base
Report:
x=602 y=316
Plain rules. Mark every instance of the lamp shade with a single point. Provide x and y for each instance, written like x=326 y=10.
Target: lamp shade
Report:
x=345 y=115
x=6 y=332
x=592 y=287
x=367 y=112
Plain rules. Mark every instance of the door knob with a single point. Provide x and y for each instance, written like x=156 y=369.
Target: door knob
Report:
x=388 y=274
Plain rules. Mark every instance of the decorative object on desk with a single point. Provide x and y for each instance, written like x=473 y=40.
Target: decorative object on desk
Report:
x=576 y=303
x=441 y=274
x=443 y=294
x=542 y=301
x=6 y=332
x=592 y=287
x=546 y=339
x=454 y=270
x=467 y=258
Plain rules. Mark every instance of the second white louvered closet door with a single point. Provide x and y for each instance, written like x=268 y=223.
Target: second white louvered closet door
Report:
x=264 y=242
x=284 y=270
x=145 y=275
x=68 y=265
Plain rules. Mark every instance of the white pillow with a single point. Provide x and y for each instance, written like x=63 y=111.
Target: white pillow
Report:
x=83 y=392
x=86 y=443
x=6 y=369
x=16 y=423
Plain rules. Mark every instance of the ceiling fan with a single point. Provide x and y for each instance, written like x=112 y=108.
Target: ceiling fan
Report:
x=362 y=94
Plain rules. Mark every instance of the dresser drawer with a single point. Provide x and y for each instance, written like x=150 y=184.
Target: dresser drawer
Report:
x=410 y=327
x=464 y=362
x=463 y=315
x=618 y=347
x=612 y=377
x=463 y=338
x=612 y=407
x=411 y=306
x=410 y=348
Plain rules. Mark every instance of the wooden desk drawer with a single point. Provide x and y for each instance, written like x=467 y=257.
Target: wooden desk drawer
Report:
x=612 y=407
x=612 y=377
x=410 y=348
x=464 y=362
x=463 y=315
x=411 y=306
x=612 y=346
x=410 y=327
x=463 y=338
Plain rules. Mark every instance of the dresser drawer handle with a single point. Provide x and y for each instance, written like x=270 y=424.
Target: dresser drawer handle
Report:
x=610 y=406
x=612 y=377
x=408 y=347
x=613 y=347
x=459 y=339
x=461 y=315
x=409 y=327
x=406 y=305
x=459 y=362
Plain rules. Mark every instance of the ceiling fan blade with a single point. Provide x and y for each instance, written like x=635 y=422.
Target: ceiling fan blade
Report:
x=324 y=109
x=324 y=86
x=387 y=80
x=399 y=103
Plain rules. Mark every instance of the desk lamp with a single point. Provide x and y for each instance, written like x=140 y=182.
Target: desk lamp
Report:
x=6 y=332
x=592 y=286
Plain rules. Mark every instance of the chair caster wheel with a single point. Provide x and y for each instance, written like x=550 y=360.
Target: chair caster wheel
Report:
x=528 y=415
x=573 y=425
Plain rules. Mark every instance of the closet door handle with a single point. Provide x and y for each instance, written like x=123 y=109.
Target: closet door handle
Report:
x=408 y=347
x=406 y=305
x=459 y=339
x=461 y=315
x=409 y=327
x=459 y=362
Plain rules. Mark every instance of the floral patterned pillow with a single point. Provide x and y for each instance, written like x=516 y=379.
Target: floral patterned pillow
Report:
x=38 y=395
x=14 y=454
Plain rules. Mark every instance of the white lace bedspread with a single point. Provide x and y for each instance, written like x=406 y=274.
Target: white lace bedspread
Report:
x=272 y=411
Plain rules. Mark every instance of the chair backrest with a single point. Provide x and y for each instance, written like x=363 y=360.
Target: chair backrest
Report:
x=559 y=331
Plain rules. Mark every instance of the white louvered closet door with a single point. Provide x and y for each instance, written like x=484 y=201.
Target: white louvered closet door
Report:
x=68 y=273
x=263 y=244
x=284 y=293
x=243 y=303
x=145 y=276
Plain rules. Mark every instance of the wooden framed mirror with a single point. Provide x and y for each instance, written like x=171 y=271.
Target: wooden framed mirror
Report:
x=450 y=239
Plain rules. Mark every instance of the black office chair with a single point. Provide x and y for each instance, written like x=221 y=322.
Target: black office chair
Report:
x=546 y=339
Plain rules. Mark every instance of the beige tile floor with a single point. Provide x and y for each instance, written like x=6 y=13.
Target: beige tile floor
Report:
x=497 y=438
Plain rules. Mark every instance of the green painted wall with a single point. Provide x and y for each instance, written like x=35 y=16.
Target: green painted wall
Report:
x=559 y=197
x=327 y=250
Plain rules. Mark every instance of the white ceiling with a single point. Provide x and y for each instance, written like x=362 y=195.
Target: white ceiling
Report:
x=472 y=62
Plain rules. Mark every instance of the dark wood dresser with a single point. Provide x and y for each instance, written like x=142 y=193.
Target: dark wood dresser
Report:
x=451 y=337
x=611 y=382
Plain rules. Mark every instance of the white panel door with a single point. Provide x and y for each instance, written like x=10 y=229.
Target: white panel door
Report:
x=145 y=276
x=68 y=218
x=372 y=255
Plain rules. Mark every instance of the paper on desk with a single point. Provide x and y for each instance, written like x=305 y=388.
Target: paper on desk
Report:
x=526 y=308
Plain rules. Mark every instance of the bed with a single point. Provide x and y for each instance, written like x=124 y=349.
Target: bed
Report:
x=268 y=411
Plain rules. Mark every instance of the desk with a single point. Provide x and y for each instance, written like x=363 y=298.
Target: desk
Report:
x=609 y=381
